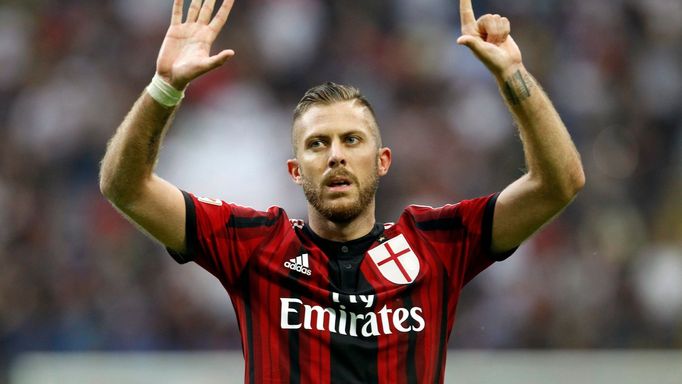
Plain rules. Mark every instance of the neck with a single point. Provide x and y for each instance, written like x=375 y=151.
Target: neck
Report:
x=345 y=231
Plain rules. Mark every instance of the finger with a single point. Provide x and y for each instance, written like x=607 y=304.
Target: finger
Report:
x=485 y=26
x=193 y=11
x=497 y=29
x=489 y=28
x=206 y=11
x=500 y=31
x=506 y=27
x=466 y=14
x=493 y=29
x=221 y=16
x=176 y=17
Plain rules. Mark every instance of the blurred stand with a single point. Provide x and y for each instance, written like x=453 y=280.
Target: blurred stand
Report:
x=480 y=367
x=76 y=277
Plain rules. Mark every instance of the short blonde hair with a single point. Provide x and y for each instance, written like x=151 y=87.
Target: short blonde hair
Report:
x=330 y=93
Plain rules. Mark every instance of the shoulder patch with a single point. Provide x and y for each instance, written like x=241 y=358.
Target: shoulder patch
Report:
x=296 y=223
x=209 y=200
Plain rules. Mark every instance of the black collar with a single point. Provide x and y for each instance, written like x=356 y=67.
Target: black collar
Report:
x=345 y=249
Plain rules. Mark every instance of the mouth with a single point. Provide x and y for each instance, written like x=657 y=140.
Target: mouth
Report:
x=339 y=184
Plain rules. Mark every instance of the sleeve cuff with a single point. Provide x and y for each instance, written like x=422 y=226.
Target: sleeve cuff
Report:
x=191 y=240
x=487 y=232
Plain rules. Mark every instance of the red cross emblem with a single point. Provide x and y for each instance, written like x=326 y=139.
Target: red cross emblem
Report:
x=395 y=260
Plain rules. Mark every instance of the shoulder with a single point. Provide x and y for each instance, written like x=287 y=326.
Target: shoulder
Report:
x=427 y=212
x=236 y=215
x=426 y=218
x=448 y=216
x=243 y=216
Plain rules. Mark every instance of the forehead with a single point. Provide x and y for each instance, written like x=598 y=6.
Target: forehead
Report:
x=335 y=118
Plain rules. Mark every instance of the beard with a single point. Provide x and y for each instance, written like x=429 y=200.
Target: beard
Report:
x=337 y=212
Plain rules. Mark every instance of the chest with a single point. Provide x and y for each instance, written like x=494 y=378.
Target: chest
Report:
x=396 y=286
x=391 y=267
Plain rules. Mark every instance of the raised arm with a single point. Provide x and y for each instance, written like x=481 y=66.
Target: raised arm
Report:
x=554 y=170
x=126 y=172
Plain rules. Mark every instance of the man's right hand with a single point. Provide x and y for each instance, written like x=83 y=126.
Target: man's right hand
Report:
x=185 y=52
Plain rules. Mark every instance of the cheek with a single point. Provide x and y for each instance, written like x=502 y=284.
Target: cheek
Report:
x=309 y=171
x=371 y=165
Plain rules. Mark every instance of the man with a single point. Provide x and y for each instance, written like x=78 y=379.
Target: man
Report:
x=339 y=298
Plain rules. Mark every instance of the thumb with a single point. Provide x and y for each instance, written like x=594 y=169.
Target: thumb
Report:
x=218 y=59
x=474 y=43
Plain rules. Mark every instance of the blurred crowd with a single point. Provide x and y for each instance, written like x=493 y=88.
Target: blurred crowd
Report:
x=607 y=273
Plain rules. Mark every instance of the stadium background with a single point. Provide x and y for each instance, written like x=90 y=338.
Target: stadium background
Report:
x=607 y=274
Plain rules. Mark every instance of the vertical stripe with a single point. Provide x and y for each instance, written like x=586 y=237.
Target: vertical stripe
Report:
x=250 y=362
x=260 y=327
x=315 y=370
x=385 y=367
x=257 y=314
x=352 y=359
x=325 y=358
x=262 y=322
x=383 y=361
x=443 y=335
x=410 y=358
x=294 y=357
x=293 y=335
x=279 y=350
x=393 y=343
x=431 y=300
x=234 y=258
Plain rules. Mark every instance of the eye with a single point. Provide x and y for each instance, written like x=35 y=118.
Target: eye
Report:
x=352 y=139
x=316 y=143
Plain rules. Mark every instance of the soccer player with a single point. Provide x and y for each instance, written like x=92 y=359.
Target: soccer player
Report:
x=339 y=298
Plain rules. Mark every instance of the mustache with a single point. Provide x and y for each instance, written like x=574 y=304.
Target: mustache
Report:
x=340 y=173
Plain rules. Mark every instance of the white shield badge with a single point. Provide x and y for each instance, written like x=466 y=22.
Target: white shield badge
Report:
x=396 y=260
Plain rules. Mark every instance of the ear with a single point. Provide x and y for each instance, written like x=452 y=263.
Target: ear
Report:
x=294 y=171
x=384 y=160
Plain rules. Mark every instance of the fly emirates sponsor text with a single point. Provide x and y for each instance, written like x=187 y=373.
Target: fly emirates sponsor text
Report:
x=345 y=322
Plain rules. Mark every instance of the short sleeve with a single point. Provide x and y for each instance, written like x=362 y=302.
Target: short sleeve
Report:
x=477 y=218
x=221 y=237
x=461 y=235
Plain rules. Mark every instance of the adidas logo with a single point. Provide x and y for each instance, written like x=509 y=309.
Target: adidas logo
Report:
x=299 y=264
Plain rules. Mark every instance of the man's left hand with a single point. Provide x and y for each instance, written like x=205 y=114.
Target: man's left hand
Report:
x=489 y=39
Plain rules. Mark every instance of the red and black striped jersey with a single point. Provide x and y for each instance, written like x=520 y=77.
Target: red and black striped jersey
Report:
x=378 y=309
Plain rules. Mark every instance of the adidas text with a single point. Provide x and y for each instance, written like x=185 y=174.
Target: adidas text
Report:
x=299 y=264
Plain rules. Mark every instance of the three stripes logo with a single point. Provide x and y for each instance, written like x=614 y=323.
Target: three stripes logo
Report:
x=299 y=264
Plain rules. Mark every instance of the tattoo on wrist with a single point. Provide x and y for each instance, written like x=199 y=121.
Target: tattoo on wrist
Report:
x=517 y=87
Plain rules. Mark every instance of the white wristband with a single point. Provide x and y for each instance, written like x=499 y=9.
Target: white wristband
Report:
x=164 y=93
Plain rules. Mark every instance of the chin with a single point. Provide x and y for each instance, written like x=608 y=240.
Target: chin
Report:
x=340 y=212
x=340 y=207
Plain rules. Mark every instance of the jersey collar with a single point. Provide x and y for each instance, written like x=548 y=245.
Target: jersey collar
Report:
x=345 y=249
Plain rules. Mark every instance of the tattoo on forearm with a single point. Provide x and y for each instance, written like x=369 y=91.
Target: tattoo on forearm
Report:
x=156 y=137
x=152 y=149
x=517 y=88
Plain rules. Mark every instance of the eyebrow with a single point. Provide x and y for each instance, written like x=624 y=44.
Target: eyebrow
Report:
x=346 y=133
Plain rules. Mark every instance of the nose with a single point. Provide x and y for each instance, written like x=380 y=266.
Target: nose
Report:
x=336 y=155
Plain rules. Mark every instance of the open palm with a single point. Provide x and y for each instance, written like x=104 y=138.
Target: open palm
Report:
x=186 y=50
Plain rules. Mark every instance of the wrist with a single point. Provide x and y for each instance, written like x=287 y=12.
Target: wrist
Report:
x=502 y=75
x=164 y=93
x=516 y=84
